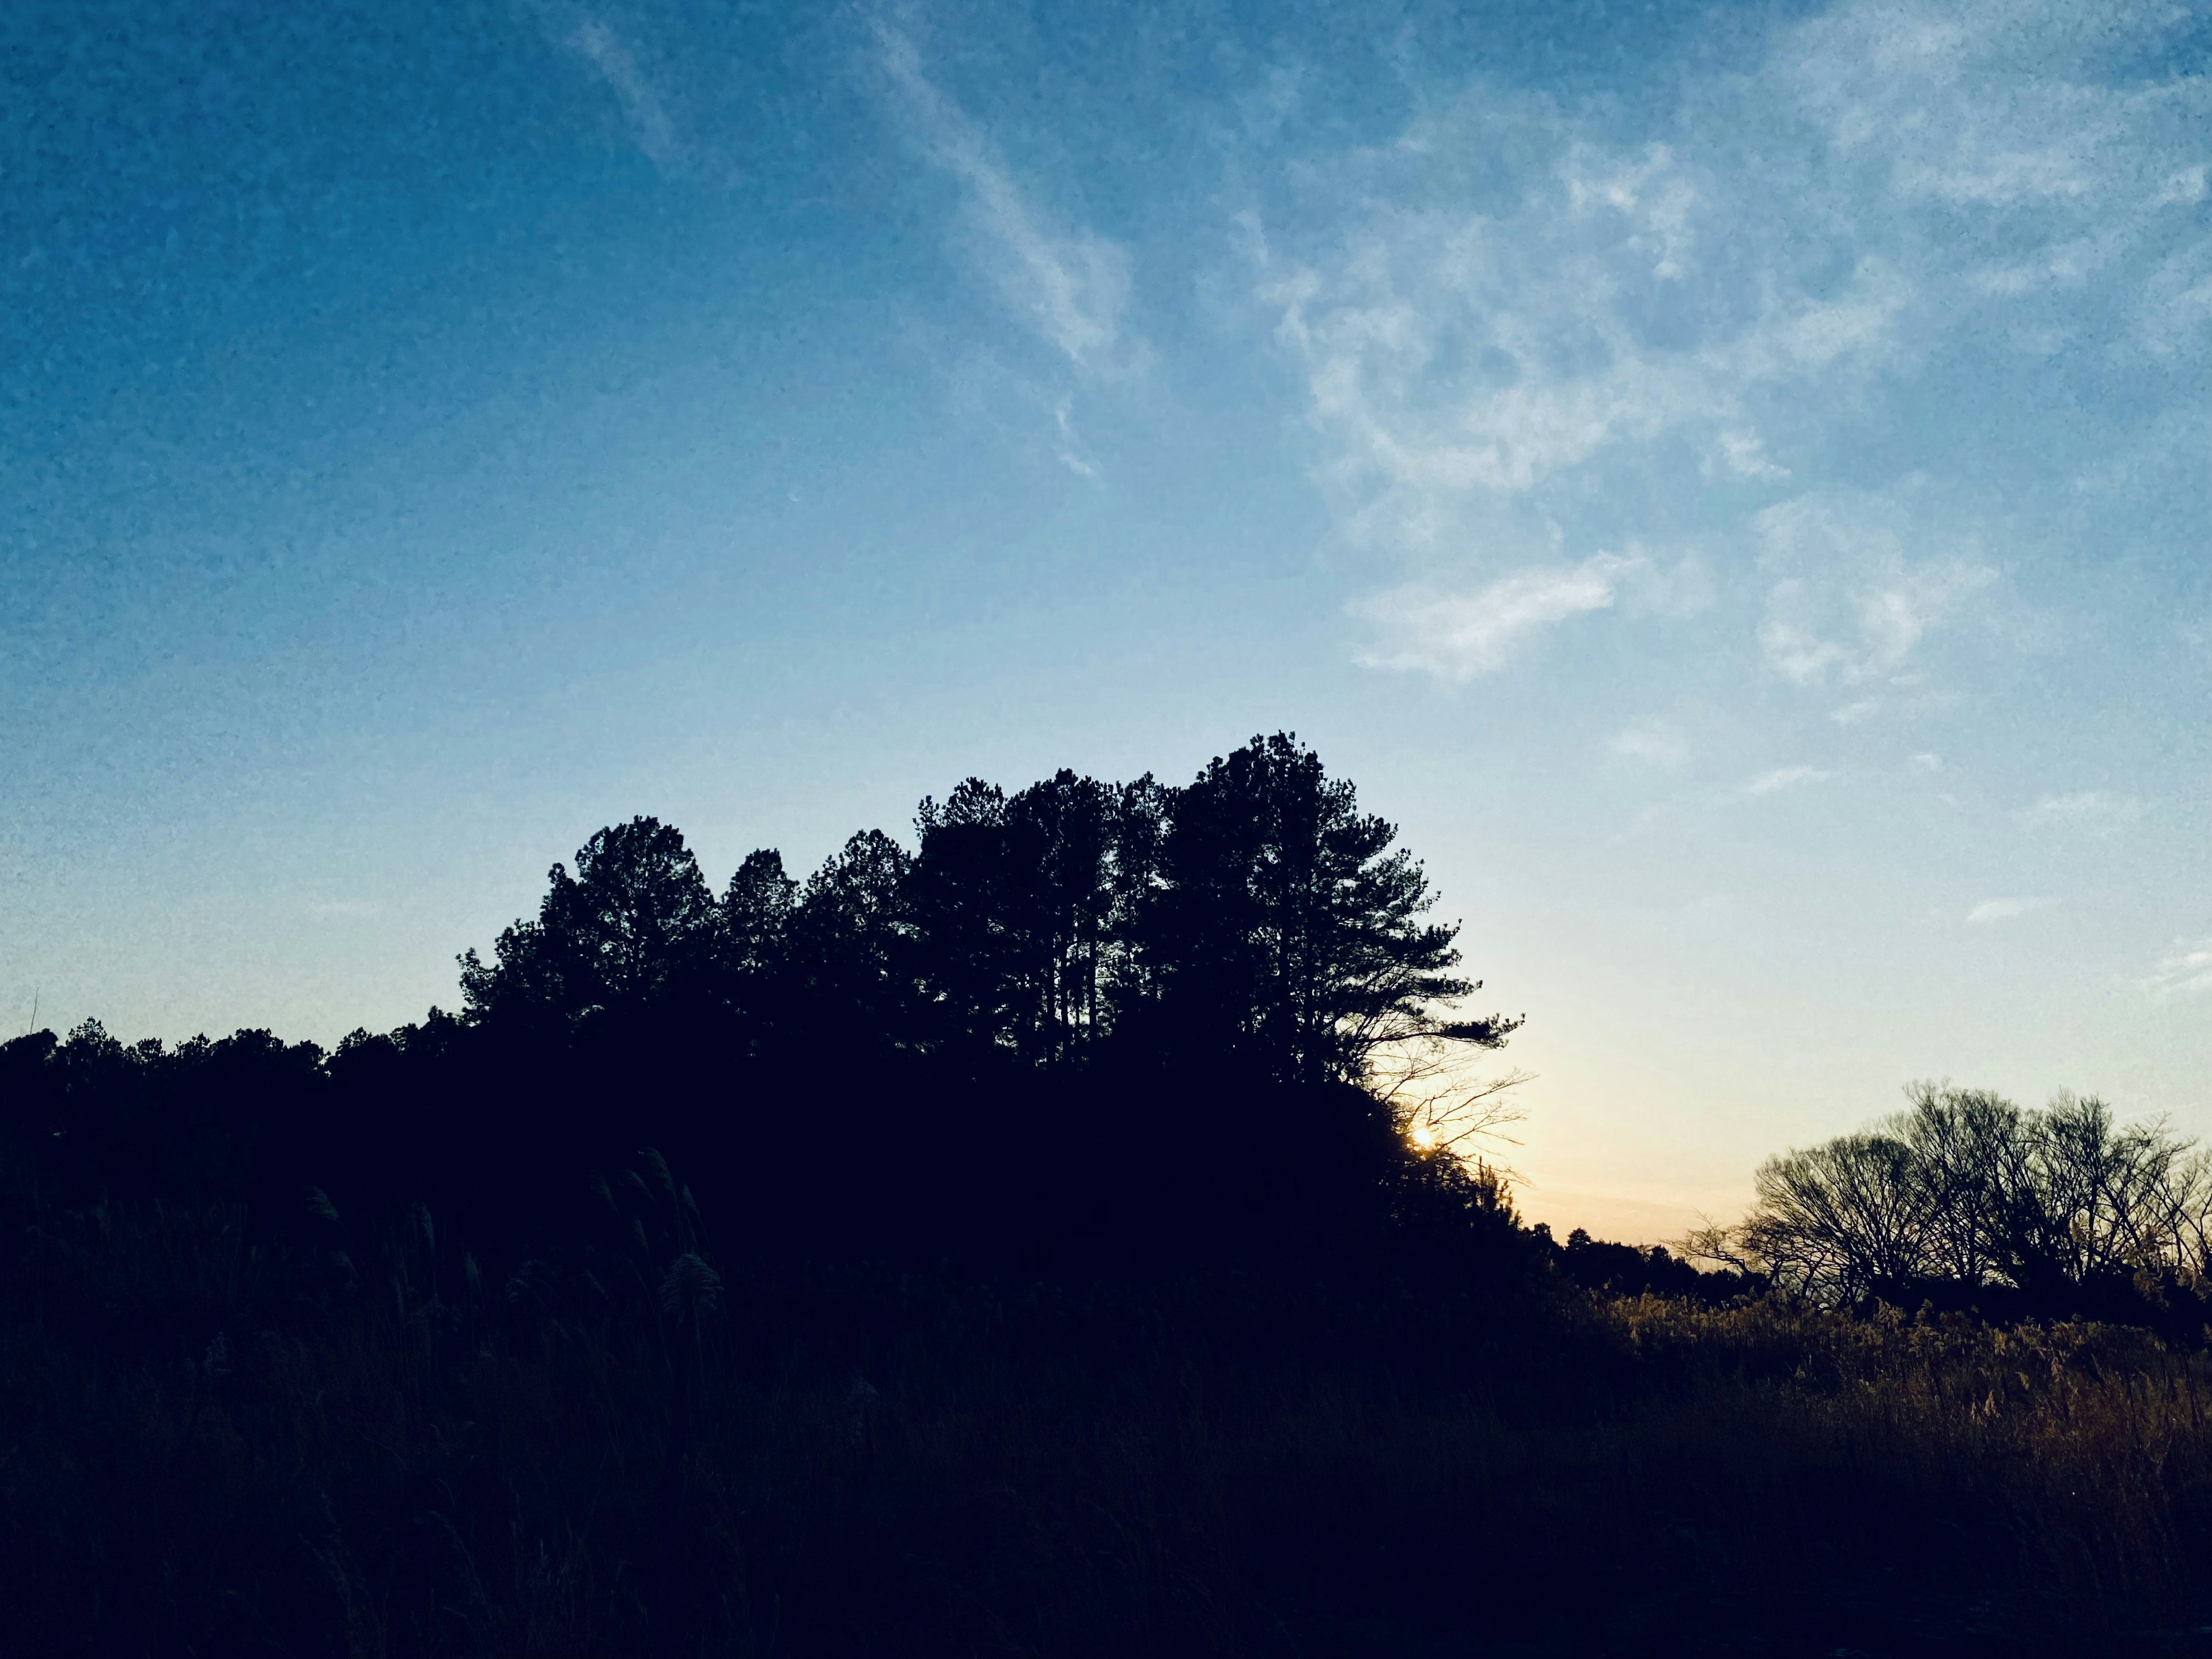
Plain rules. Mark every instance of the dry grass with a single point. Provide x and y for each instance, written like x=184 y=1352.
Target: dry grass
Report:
x=399 y=1455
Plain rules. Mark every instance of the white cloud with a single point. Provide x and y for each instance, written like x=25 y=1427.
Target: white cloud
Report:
x=1785 y=777
x=1926 y=762
x=1450 y=356
x=641 y=104
x=2185 y=187
x=1456 y=636
x=1070 y=449
x=1818 y=334
x=1745 y=455
x=2091 y=812
x=2186 y=969
x=1070 y=287
x=1853 y=605
x=1655 y=741
x=2005 y=909
x=2016 y=162
x=1515 y=321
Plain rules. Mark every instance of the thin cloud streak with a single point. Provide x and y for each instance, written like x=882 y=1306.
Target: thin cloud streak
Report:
x=642 y=107
x=1785 y=777
x=1069 y=287
x=2185 y=970
x=1654 y=742
x=1456 y=636
x=2089 y=812
x=2005 y=909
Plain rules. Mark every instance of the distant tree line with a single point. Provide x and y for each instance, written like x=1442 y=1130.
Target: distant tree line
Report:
x=1968 y=1199
x=1080 y=1021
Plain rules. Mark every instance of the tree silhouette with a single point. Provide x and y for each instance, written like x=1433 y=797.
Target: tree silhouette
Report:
x=1014 y=906
x=1966 y=1197
x=1064 y=835
x=1080 y=1020
x=968 y=896
x=852 y=943
x=757 y=913
x=635 y=922
x=1254 y=918
x=1287 y=922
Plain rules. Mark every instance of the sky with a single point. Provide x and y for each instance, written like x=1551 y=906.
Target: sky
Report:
x=1731 y=483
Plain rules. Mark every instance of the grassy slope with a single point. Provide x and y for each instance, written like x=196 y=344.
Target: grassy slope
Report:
x=396 y=1453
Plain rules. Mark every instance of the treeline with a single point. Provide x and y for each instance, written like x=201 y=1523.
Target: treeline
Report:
x=1255 y=914
x=1967 y=1200
x=1012 y=1238
x=1080 y=1023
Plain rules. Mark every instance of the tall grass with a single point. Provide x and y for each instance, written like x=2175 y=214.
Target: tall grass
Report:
x=396 y=1451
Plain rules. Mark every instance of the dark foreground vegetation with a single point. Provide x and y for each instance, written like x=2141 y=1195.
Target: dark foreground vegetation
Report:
x=1050 y=1241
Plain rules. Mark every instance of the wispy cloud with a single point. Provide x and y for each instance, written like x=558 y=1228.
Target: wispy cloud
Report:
x=1460 y=361
x=1456 y=636
x=1764 y=286
x=1785 y=777
x=2184 y=970
x=1073 y=453
x=2091 y=812
x=1450 y=356
x=1851 y=604
x=2005 y=909
x=1655 y=742
x=642 y=107
x=1068 y=286
x=1744 y=454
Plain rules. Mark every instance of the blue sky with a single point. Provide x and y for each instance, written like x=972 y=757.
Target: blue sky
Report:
x=1732 y=483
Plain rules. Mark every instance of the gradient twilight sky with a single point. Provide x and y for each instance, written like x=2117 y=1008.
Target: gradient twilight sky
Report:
x=1733 y=482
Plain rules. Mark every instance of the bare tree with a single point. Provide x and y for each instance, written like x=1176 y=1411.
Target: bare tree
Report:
x=1439 y=1106
x=1967 y=1189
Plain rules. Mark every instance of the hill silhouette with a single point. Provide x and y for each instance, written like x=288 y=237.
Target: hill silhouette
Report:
x=1015 y=1239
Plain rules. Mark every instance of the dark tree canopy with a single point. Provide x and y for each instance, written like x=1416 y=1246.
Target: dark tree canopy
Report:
x=1286 y=919
x=1254 y=916
x=1023 y=906
x=636 y=922
x=1075 y=1021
